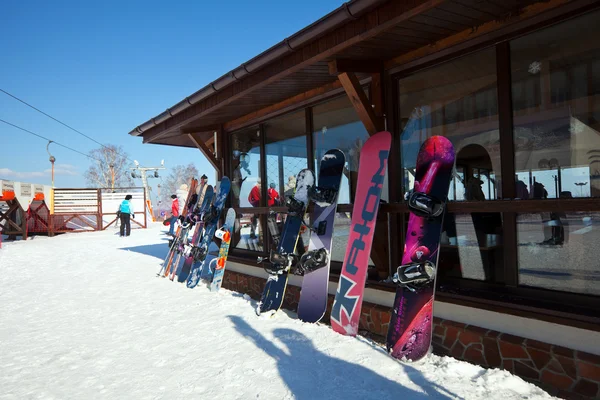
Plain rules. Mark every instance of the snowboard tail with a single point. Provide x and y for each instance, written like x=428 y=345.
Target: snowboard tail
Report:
x=410 y=328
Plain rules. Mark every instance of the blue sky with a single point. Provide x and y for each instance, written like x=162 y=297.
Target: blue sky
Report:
x=106 y=67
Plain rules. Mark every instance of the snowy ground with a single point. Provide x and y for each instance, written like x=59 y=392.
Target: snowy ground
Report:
x=83 y=316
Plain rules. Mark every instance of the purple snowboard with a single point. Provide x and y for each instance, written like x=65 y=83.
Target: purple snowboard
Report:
x=313 y=296
x=410 y=329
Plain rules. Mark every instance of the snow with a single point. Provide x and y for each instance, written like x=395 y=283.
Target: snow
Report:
x=84 y=316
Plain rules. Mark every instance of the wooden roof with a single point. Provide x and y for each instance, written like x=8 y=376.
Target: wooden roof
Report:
x=376 y=38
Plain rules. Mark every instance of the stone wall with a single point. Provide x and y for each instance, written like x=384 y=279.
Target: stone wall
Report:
x=561 y=371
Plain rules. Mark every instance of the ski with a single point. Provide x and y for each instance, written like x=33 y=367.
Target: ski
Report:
x=282 y=256
x=314 y=264
x=199 y=252
x=173 y=243
x=345 y=313
x=410 y=328
x=218 y=271
x=194 y=225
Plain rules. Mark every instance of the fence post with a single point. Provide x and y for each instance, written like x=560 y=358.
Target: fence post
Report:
x=145 y=212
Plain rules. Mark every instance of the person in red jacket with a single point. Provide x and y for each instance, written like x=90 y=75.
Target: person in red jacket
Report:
x=254 y=200
x=174 y=214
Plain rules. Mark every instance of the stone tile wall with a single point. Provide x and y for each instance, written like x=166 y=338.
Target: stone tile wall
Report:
x=561 y=371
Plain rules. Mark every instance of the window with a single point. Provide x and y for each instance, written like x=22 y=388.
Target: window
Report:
x=285 y=151
x=555 y=251
x=458 y=100
x=336 y=125
x=246 y=167
x=245 y=160
x=555 y=86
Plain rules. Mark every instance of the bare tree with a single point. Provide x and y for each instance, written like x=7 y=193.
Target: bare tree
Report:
x=179 y=175
x=109 y=168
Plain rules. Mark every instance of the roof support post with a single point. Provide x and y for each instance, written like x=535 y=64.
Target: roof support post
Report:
x=361 y=103
x=208 y=153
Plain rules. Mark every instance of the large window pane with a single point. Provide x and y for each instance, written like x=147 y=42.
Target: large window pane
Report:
x=471 y=247
x=245 y=146
x=458 y=100
x=286 y=155
x=336 y=125
x=556 y=251
x=556 y=91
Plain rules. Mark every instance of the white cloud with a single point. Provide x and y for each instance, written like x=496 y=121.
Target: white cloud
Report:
x=59 y=169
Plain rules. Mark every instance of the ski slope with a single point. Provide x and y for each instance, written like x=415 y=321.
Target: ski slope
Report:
x=83 y=316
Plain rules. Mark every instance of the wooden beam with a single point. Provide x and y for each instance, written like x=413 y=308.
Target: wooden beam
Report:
x=361 y=103
x=294 y=102
x=377 y=94
x=197 y=129
x=205 y=150
x=340 y=65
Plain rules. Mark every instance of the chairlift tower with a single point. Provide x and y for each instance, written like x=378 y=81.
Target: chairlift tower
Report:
x=142 y=172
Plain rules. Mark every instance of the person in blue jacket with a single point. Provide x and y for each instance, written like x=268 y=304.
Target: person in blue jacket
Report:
x=125 y=213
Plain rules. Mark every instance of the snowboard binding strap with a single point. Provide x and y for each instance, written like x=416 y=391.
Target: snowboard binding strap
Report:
x=415 y=276
x=295 y=207
x=311 y=261
x=322 y=196
x=424 y=205
x=280 y=262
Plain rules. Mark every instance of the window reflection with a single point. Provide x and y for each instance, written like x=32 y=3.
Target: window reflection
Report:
x=248 y=233
x=245 y=161
x=458 y=100
x=286 y=155
x=336 y=125
x=555 y=85
x=471 y=247
x=556 y=251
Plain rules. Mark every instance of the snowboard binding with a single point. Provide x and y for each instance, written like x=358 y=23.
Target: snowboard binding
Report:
x=311 y=261
x=210 y=216
x=279 y=262
x=295 y=207
x=322 y=196
x=424 y=205
x=415 y=276
x=198 y=252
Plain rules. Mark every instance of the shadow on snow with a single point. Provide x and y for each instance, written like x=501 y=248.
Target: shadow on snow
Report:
x=306 y=370
x=158 y=250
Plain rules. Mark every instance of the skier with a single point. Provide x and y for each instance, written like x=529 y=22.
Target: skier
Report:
x=125 y=212
x=174 y=214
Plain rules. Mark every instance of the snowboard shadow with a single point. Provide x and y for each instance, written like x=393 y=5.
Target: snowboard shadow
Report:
x=306 y=371
x=158 y=250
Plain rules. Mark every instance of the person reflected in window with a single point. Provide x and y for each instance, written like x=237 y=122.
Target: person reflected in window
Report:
x=254 y=200
x=273 y=199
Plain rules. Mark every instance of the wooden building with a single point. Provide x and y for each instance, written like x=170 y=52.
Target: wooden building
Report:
x=515 y=85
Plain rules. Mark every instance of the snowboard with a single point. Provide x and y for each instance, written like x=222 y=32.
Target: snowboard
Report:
x=195 y=225
x=410 y=328
x=345 y=313
x=225 y=235
x=173 y=243
x=314 y=264
x=211 y=219
x=282 y=256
